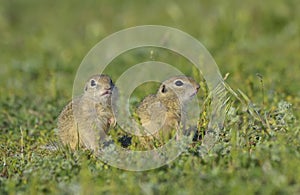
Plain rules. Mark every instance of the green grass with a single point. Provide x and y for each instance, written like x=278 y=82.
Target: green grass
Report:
x=42 y=45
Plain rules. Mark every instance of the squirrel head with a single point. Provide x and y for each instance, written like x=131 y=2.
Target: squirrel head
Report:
x=180 y=87
x=99 y=87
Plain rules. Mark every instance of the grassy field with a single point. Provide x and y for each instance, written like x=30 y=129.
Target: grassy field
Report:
x=256 y=42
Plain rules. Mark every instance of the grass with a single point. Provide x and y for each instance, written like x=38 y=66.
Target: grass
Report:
x=258 y=152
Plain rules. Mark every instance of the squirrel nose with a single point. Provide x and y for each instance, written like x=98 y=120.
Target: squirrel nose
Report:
x=197 y=87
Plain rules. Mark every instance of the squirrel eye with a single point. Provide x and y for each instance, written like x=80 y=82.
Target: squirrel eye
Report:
x=178 y=83
x=93 y=83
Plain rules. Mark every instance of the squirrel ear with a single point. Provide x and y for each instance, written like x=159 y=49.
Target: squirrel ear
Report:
x=93 y=83
x=163 y=89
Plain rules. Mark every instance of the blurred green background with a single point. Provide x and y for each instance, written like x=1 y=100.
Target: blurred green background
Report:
x=42 y=44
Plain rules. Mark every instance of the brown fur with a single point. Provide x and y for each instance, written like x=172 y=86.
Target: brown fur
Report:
x=162 y=113
x=85 y=120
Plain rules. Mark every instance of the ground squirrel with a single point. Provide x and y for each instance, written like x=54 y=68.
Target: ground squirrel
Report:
x=163 y=111
x=88 y=117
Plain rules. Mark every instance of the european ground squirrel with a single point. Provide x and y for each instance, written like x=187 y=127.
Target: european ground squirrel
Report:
x=164 y=110
x=88 y=117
